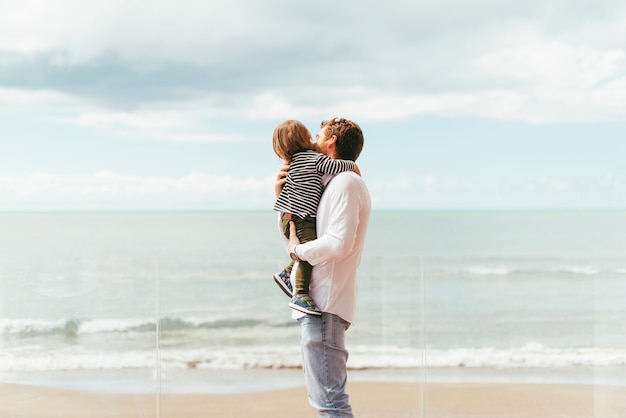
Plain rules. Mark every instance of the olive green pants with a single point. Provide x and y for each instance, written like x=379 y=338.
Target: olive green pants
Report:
x=305 y=231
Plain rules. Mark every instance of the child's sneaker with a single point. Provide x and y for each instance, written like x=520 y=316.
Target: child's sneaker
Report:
x=304 y=303
x=283 y=281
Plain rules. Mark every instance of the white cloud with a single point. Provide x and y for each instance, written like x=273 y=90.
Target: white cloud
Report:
x=429 y=180
x=554 y=81
x=530 y=57
x=158 y=123
x=99 y=190
x=139 y=28
x=16 y=97
x=272 y=105
x=535 y=104
x=526 y=61
x=611 y=180
x=430 y=192
x=146 y=120
x=195 y=190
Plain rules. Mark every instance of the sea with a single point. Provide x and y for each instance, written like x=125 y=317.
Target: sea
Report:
x=185 y=301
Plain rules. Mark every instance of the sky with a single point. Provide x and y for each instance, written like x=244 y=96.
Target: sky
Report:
x=163 y=105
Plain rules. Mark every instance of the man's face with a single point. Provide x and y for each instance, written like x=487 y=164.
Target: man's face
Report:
x=321 y=142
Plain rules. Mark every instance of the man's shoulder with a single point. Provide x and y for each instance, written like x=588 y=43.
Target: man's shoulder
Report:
x=347 y=177
x=347 y=180
x=346 y=187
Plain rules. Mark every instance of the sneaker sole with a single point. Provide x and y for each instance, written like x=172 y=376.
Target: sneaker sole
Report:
x=282 y=286
x=303 y=310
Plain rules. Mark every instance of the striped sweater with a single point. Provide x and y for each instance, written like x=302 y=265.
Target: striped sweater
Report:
x=303 y=190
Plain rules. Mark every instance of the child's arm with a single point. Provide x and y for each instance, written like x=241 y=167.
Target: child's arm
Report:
x=327 y=165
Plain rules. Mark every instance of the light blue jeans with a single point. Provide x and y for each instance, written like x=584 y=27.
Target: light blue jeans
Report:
x=324 y=358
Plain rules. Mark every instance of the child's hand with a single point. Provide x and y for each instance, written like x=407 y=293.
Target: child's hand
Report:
x=356 y=169
x=281 y=179
x=293 y=238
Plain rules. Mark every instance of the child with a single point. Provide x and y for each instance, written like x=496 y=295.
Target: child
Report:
x=298 y=201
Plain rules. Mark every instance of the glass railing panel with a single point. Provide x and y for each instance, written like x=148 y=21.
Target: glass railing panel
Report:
x=609 y=336
x=78 y=337
x=544 y=334
x=386 y=343
x=227 y=338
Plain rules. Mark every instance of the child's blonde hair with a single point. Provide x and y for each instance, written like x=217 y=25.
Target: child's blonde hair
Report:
x=291 y=137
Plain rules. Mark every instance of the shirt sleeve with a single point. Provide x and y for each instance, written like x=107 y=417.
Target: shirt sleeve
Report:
x=340 y=236
x=327 y=165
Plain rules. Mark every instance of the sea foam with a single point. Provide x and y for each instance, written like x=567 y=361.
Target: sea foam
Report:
x=532 y=355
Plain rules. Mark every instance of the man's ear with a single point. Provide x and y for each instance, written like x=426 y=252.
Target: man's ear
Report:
x=331 y=146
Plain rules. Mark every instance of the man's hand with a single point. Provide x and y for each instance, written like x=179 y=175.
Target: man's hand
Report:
x=293 y=237
x=281 y=179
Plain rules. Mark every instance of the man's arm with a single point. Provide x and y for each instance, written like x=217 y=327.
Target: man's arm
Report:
x=340 y=235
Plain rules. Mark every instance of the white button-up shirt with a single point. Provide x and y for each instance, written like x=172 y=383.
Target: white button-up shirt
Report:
x=342 y=218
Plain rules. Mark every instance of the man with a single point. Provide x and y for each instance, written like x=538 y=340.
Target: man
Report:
x=342 y=219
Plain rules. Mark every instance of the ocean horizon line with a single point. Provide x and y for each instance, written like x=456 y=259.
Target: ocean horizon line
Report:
x=375 y=210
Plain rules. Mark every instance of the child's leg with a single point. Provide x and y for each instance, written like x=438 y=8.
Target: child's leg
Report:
x=289 y=267
x=303 y=278
x=285 y=225
x=305 y=230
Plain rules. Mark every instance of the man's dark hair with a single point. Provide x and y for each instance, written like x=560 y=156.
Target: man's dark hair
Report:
x=349 y=137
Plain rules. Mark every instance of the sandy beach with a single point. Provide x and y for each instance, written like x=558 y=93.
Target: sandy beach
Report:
x=369 y=399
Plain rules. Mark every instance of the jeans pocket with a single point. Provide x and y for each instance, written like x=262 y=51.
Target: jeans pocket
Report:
x=336 y=330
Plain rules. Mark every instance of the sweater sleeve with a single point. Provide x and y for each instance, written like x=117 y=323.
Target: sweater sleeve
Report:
x=327 y=165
